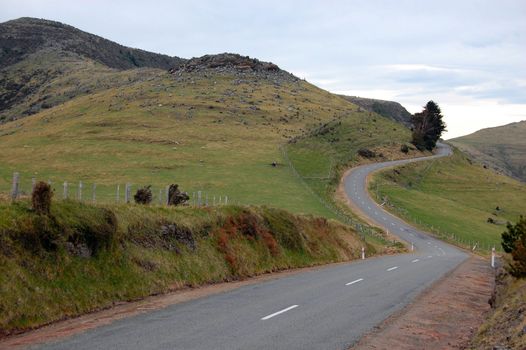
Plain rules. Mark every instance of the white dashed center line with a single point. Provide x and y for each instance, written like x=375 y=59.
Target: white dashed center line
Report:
x=279 y=312
x=353 y=282
x=416 y=260
x=392 y=268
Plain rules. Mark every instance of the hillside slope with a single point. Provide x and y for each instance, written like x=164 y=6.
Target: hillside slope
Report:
x=45 y=63
x=214 y=123
x=464 y=202
x=502 y=148
x=388 y=109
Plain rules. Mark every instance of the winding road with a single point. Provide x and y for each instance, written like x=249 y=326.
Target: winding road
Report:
x=326 y=308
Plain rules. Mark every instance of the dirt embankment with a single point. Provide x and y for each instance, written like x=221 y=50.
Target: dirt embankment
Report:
x=444 y=317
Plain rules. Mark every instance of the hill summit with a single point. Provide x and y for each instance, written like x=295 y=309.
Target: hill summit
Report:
x=25 y=36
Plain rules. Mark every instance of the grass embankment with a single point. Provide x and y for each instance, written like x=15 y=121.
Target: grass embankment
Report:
x=506 y=324
x=83 y=257
x=453 y=198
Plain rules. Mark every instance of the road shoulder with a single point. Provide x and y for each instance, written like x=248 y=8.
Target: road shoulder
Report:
x=445 y=316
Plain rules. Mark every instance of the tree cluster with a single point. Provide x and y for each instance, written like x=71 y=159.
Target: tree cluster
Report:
x=427 y=127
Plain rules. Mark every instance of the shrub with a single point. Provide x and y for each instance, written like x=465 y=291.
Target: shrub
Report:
x=366 y=153
x=175 y=196
x=514 y=242
x=143 y=195
x=404 y=149
x=41 y=198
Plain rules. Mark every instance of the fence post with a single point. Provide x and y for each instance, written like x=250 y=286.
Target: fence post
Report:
x=16 y=186
x=226 y=200
x=127 y=193
x=363 y=253
x=118 y=195
x=198 y=198
x=214 y=202
x=65 y=193
x=33 y=184
x=93 y=193
x=160 y=196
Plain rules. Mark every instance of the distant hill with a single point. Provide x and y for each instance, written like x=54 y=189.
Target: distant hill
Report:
x=388 y=109
x=502 y=148
x=24 y=36
x=45 y=63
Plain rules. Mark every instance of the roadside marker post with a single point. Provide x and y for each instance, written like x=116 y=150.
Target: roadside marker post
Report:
x=493 y=257
x=363 y=253
x=412 y=246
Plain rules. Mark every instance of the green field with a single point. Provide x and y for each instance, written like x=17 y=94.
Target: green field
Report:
x=453 y=198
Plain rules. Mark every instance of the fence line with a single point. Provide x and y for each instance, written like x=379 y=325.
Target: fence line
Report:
x=111 y=193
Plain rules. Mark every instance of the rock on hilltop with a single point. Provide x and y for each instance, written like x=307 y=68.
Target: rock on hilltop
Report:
x=227 y=61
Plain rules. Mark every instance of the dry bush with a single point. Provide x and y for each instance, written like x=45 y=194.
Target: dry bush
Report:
x=41 y=198
x=143 y=195
x=175 y=196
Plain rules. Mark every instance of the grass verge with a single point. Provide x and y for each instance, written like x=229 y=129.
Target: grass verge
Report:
x=83 y=257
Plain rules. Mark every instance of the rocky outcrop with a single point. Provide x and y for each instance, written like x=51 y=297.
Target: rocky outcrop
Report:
x=228 y=61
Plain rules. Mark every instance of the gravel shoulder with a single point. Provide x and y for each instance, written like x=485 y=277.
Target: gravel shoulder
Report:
x=445 y=316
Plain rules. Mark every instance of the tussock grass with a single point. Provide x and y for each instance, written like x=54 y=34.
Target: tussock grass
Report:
x=82 y=257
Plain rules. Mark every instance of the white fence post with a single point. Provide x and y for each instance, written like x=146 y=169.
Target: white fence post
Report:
x=226 y=200
x=493 y=257
x=199 y=198
x=363 y=253
x=118 y=195
x=16 y=186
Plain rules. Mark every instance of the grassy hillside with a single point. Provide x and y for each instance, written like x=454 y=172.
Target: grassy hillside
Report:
x=454 y=198
x=502 y=148
x=82 y=257
x=215 y=130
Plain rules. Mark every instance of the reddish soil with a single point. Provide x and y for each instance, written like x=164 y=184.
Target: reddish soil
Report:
x=445 y=316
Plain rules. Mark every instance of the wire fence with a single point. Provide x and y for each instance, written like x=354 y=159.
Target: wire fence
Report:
x=91 y=192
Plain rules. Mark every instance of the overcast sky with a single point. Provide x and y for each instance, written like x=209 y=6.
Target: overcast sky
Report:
x=468 y=56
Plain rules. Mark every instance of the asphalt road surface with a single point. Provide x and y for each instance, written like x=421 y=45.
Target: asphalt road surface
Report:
x=327 y=308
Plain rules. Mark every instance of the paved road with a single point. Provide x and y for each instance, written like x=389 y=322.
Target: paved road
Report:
x=328 y=308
